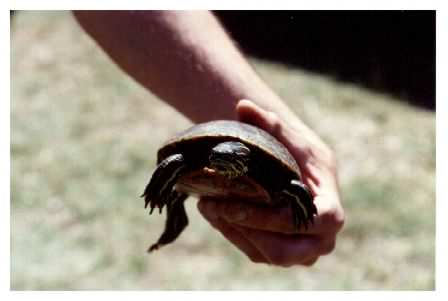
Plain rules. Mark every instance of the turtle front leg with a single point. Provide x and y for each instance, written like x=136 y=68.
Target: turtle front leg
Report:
x=301 y=202
x=157 y=192
x=176 y=220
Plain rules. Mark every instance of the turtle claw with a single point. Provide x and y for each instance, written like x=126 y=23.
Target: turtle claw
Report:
x=153 y=247
x=153 y=204
x=158 y=191
x=148 y=201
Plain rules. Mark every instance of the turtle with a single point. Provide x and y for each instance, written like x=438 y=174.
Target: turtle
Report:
x=227 y=160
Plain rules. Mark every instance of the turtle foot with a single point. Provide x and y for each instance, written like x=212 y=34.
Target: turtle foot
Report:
x=158 y=191
x=176 y=220
x=301 y=202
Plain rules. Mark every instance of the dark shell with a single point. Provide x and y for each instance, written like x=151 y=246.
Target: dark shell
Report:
x=223 y=130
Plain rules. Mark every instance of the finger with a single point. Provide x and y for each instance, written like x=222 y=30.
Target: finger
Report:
x=231 y=234
x=239 y=241
x=311 y=261
x=250 y=112
x=284 y=250
x=280 y=219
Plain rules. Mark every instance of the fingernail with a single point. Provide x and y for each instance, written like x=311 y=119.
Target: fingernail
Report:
x=235 y=213
x=208 y=209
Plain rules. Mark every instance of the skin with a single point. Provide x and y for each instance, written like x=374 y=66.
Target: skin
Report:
x=187 y=59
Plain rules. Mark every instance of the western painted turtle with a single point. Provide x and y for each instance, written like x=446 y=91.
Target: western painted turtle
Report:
x=227 y=160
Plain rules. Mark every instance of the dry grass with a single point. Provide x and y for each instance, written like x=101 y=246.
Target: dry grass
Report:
x=83 y=145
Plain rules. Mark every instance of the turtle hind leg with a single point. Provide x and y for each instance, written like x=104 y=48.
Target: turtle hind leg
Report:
x=176 y=220
x=301 y=203
x=158 y=190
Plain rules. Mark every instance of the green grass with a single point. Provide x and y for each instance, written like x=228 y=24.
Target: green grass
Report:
x=83 y=143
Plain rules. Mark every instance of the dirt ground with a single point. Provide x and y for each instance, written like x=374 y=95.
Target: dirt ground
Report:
x=83 y=144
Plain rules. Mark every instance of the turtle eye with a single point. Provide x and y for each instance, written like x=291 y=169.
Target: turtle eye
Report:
x=242 y=151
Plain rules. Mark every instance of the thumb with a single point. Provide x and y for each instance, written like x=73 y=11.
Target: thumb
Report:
x=251 y=113
x=295 y=139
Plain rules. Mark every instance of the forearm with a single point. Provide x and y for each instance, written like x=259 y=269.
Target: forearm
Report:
x=185 y=58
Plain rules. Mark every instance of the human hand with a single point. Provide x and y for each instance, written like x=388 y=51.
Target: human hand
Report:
x=267 y=235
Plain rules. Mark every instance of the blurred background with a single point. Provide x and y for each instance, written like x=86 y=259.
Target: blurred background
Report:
x=84 y=138
x=390 y=51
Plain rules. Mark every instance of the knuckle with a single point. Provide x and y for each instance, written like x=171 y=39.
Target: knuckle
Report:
x=339 y=219
x=275 y=123
x=285 y=265
x=273 y=118
x=333 y=218
x=329 y=157
x=327 y=246
x=323 y=154
x=310 y=262
x=255 y=258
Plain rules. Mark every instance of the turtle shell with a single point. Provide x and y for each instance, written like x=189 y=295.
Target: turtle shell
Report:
x=271 y=166
x=224 y=130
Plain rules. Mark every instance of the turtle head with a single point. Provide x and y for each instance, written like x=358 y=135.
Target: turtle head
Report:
x=230 y=159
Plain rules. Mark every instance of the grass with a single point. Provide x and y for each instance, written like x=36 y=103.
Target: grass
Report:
x=83 y=143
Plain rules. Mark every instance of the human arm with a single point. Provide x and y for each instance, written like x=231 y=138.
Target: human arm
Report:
x=187 y=59
x=184 y=57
